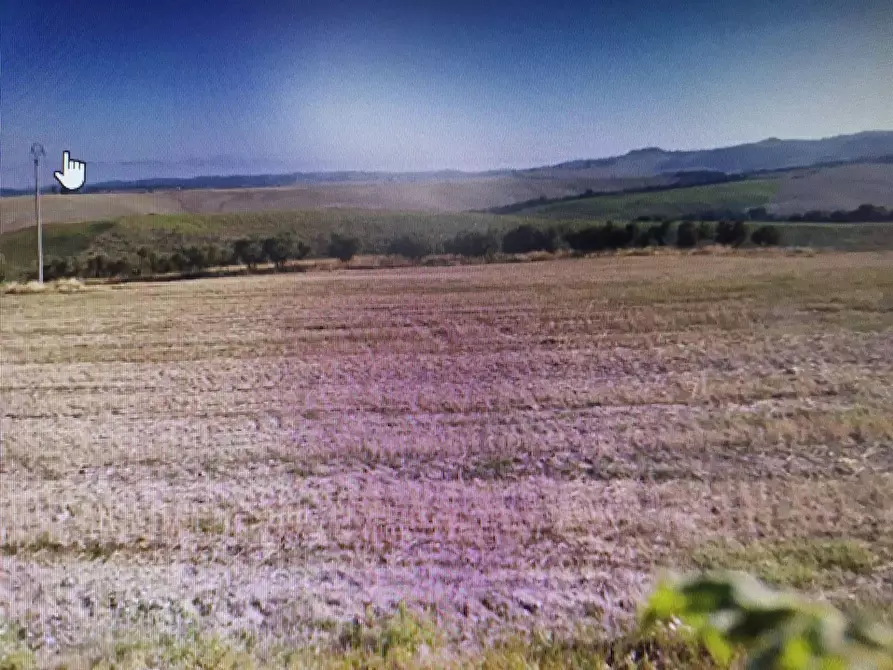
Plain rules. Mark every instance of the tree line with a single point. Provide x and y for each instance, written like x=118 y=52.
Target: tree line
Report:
x=280 y=251
x=866 y=213
x=251 y=252
x=610 y=236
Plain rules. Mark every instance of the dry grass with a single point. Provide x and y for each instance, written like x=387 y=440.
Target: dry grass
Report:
x=472 y=193
x=69 y=285
x=509 y=446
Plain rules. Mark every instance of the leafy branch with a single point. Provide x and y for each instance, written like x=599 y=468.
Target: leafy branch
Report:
x=732 y=611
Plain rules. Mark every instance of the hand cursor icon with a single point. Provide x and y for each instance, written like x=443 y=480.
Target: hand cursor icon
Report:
x=73 y=174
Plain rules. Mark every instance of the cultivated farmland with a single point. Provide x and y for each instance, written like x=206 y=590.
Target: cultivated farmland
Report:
x=500 y=447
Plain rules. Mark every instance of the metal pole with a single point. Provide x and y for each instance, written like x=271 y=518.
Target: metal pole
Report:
x=37 y=214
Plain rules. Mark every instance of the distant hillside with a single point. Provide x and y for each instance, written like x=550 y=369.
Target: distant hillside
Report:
x=671 y=202
x=267 y=181
x=838 y=172
x=840 y=187
x=451 y=195
x=231 y=172
x=769 y=154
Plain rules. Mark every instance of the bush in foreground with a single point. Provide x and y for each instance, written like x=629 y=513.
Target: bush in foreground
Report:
x=732 y=611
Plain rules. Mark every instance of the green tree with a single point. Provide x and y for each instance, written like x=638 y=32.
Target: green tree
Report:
x=283 y=248
x=119 y=267
x=343 y=248
x=473 y=244
x=591 y=238
x=96 y=265
x=766 y=236
x=179 y=262
x=729 y=233
x=705 y=231
x=525 y=238
x=410 y=247
x=248 y=252
x=143 y=254
x=687 y=235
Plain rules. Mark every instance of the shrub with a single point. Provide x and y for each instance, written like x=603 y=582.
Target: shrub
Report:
x=283 y=248
x=473 y=244
x=729 y=233
x=247 y=251
x=409 y=247
x=179 y=262
x=658 y=234
x=526 y=238
x=706 y=231
x=586 y=239
x=766 y=236
x=215 y=256
x=143 y=253
x=56 y=268
x=196 y=259
x=643 y=238
x=96 y=265
x=343 y=248
x=687 y=235
x=120 y=267
x=615 y=237
x=160 y=264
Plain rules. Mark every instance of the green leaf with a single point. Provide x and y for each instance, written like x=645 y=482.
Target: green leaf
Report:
x=717 y=645
x=795 y=655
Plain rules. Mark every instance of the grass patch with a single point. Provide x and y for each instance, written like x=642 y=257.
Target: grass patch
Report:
x=796 y=563
x=671 y=202
x=375 y=230
x=401 y=641
x=92 y=550
x=15 y=653
x=165 y=233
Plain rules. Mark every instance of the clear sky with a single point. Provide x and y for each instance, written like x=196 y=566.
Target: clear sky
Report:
x=392 y=85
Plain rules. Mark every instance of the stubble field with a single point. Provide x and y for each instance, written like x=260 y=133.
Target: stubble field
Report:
x=501 y=447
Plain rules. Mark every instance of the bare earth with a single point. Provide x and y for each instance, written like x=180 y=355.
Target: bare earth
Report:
x=507 y=445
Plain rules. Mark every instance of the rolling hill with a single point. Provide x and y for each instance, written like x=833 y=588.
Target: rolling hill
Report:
x=165 y=234
x=837 y=172
x=782 y=193
x=438 y=196
x=769 y=154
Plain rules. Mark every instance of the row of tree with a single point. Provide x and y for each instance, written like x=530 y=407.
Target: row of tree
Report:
x=278 y=250
x=281 y=250
x=862 y=214
x=686 y=236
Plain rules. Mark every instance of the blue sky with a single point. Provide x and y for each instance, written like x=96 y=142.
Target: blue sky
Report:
x=413 y=86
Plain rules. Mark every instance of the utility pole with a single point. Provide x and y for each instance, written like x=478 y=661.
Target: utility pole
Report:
x=37 y=153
